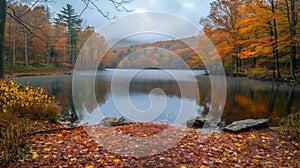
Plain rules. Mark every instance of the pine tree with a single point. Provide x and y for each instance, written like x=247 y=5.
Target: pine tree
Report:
x=69 y=18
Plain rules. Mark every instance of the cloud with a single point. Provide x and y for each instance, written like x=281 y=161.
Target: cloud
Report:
x=190 y=10
x=149 y=22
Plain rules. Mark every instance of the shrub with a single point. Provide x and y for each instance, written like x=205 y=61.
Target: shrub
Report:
x=18 y=105
x=26 y=101
x=292 y=126
x=12 y=137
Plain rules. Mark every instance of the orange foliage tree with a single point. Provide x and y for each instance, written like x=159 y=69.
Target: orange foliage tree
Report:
x=265 y=32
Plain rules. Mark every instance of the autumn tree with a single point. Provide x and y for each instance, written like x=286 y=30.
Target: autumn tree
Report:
x=265 y=32
x=259 y=31
x=223 y=18
x=292 y=22
x=273 y=32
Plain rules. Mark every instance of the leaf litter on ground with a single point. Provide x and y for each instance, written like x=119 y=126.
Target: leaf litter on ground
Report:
x=77 y=148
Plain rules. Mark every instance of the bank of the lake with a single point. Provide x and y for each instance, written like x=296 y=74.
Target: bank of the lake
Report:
x=78 y=148
x=22 y=74
x=267 y=75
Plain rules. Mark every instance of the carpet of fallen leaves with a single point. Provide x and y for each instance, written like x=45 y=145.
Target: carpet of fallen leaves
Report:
x=75 y=148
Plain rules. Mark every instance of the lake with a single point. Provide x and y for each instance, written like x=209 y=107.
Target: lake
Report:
x=149 y=89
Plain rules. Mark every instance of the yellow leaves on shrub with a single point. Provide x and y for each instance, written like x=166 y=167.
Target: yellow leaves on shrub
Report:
x=26 y=101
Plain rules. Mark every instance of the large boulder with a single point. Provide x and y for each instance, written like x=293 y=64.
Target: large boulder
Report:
x=114 y=121
x=196 y=122
x=246 y=125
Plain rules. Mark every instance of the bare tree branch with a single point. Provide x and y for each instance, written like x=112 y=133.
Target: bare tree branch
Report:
x=118 y=5
x=23 y=23
x=33 y=5
x=20 y=22
x=86 y=6
x=106 y=15
x=19 y=18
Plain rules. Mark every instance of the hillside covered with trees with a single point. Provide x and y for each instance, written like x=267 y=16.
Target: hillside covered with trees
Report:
x=255 y=37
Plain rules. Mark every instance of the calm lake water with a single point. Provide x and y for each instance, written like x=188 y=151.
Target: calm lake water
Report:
x=245 y=98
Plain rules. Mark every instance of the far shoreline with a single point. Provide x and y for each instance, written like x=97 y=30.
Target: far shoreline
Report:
x=257 y=77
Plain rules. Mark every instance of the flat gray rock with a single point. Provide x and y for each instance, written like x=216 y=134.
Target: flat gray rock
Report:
x=246 y=125
x=196 y=122
x=114 y=121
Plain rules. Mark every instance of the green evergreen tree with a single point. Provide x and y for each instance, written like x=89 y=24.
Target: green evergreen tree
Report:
x=69 y=18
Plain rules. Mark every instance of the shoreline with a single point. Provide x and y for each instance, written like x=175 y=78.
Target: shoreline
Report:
x=262 y=78
x=28 y=74
x=98 y=146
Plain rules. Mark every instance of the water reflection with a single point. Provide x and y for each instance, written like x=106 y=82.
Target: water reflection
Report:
x=245 y=98
x=255 y=99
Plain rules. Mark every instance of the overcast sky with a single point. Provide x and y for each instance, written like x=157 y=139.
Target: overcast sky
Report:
x=190 y=10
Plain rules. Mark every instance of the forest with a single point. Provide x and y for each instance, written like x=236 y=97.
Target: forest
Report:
x=46 y=121
x=250 y=36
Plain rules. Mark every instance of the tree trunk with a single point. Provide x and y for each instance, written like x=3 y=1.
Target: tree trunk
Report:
x=236 y=64
x=54 y=58
x=273 y=32
x=70 y=47
x=276 y=53
x=73 y=54
x=2 y=35
x=14 y=49
x=293 y=45
x=10 y=40
x=237 y=51
x=25 y=47
x=254 y=62
x=291 y=16
x=48 y=57
x=295 y=53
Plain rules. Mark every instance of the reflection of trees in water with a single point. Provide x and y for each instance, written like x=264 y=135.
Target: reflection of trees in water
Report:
x=91 y=95
x=274 y=92
x=290 y=99
x=254 y=99
x=245 y=98
x=171 y=88
x=60 y=86
x=205 y=95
